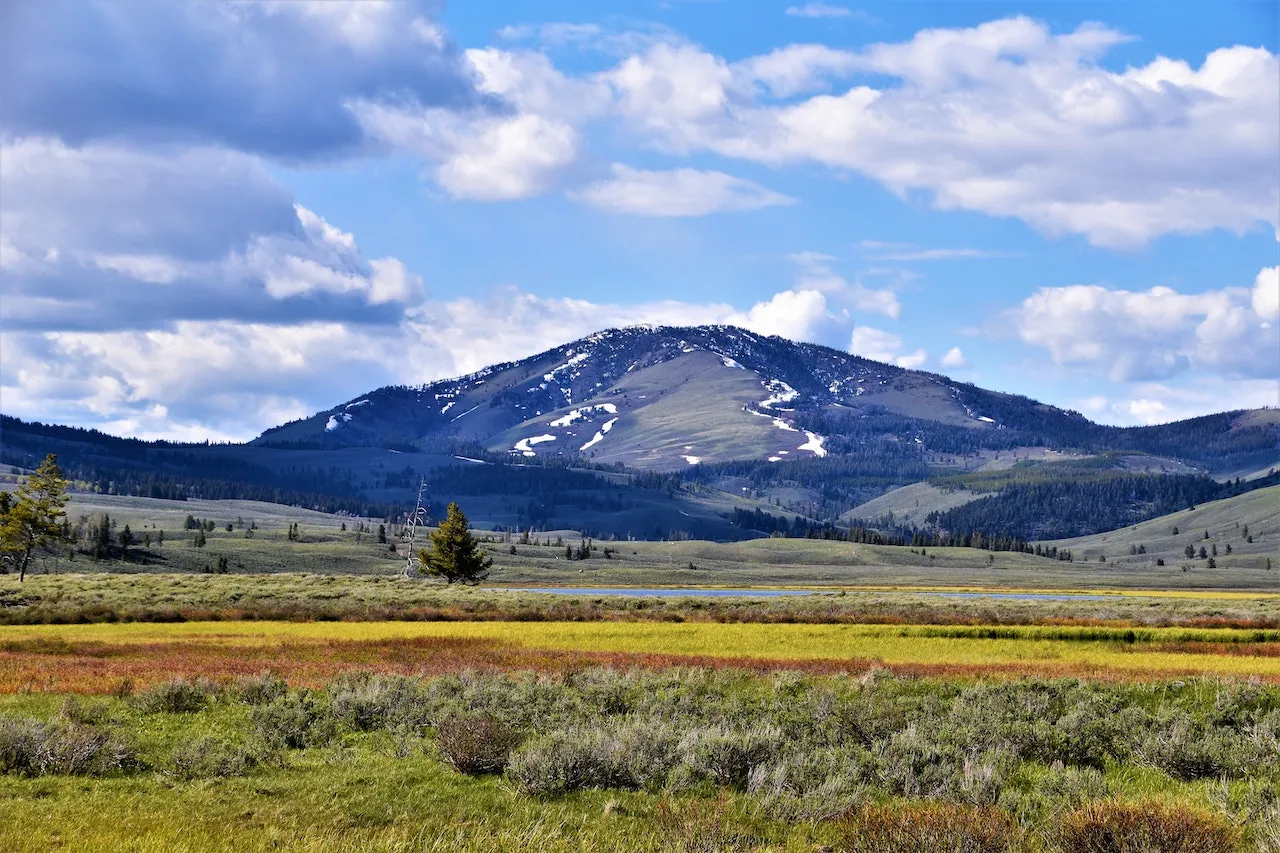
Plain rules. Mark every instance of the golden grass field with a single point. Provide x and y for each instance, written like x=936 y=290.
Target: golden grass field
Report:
x=95 y=658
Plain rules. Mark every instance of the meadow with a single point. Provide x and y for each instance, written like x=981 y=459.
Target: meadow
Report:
x=172 y=597
x=300 y=694
x=258 y=543
x=99 y=658
x=610 y=759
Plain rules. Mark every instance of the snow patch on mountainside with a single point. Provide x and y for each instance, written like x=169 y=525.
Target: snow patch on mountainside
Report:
x=779 y=392
x=814 y=444
x=573 y=360
x=692 y=460
x=576 y=414
x=599 y=436
x=524 y=444
x=336 y=421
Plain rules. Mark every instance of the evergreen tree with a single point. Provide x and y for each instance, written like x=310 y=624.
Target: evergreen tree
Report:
x=126 y=542
x=35 y=517
x=102 y=538
x=455 y=554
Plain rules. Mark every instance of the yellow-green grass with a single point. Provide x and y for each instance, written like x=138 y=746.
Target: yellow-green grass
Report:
x=1021 y=650
x=360 y=799
x=323 y=802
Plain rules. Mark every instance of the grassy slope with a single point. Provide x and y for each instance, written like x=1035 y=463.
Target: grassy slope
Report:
x=1225 y=520
x=685 y=408
x=910 y=504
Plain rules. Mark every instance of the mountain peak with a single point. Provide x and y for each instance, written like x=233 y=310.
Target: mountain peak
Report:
x=650 y=396
x=669 y=397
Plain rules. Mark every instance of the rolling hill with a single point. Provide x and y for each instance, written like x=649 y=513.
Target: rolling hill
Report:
x=1249 y=524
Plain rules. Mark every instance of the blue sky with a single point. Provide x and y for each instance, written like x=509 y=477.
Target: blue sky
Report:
x=215 y=217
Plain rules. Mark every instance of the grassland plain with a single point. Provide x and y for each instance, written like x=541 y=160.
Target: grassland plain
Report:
x=324 y=546
x=169 y=597
x=612 y=760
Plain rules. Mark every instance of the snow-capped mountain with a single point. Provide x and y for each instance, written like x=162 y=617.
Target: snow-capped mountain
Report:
x=669 y=397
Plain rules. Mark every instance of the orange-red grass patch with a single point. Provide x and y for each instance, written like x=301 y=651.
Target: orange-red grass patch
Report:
x=54 y=665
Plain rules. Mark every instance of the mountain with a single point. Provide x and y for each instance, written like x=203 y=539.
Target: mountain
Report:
x=705 y=432
x=668 y=398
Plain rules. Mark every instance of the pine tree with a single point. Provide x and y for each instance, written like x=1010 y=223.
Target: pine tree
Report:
x=126 y=542
x=455 y=554
x=34 y=518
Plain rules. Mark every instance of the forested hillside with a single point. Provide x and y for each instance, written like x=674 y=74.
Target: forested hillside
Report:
x=1083 y=505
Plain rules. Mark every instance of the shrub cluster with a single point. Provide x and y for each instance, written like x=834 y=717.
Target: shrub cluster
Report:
x=179 y=696
x=209 y=758
x=977 y=760
x=30 y=747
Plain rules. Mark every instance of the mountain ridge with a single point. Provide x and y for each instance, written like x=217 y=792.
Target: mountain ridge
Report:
x=710 y=432
x=669 y=397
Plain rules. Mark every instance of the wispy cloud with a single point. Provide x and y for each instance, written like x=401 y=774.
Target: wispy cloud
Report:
x=819 y=10
x=676 y=192
x=881 y=251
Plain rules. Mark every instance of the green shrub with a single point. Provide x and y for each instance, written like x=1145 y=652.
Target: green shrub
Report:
x=927 y=828
x=83 y=711
x=630 y=753
x=1145 y=827
x=209 y=758
x=30 y=747
x=811 y=785
x=1189 y=750
x=260 y=689
x=476 y=743
x=876 y=712
x=179 y=696
x=296 y=721
x=367 y=702
x=725 y=756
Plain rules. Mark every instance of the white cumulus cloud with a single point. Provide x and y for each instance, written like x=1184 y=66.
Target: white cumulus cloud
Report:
x=1153 y=334
x=1006 y=118
x=880 y=345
